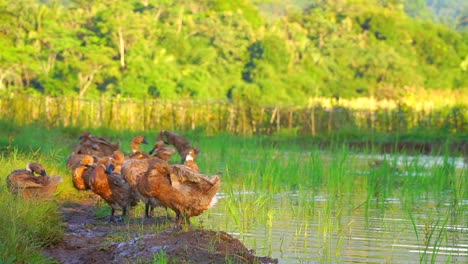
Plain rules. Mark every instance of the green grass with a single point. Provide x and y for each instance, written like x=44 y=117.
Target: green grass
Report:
x=254 y=169
x=26 y=228
x=160 y=258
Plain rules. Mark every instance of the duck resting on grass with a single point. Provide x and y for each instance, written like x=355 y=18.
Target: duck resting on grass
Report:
x=25 y=182
x=187 y=193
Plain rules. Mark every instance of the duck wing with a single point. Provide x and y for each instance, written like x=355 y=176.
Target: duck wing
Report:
x=123 y=193
x=182 y=173
x=132 y=168
x=50 y=186
x=24 y=179
x=183 y=176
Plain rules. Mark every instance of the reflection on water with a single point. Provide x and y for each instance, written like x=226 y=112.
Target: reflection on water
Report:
x=426 y=161
x=336 y=234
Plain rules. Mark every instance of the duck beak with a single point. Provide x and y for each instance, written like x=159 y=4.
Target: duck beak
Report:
x=153 y=150
x=43 y=173
x=110 y=169
x=144 y=141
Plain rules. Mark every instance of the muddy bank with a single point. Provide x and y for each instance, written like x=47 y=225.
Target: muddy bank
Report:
x=91 y=240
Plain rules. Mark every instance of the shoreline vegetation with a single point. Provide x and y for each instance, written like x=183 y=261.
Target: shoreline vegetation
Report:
x=21 y=142
x=424 y=124
x=263 y=88
x=444 y=113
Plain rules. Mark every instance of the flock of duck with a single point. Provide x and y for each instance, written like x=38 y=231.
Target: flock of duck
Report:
x=123 y=180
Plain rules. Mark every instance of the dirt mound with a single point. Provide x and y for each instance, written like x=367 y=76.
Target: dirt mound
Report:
x=90 y=240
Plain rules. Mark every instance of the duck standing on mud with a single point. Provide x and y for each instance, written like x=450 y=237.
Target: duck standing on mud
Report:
x=133 y=168
x=25 y=182
x=82 y=172
x=184 y=191
x=112 y=187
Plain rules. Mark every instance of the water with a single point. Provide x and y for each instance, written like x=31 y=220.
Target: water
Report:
x=310 y=226
x=347 y=235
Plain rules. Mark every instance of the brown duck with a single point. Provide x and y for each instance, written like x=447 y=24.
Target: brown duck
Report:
x=135 y=146
x=182 y=145
x=112 y=187
x=28 y=185
x=103 y=146
x=190 y=161
x=187 y=193
x=132 y=170
x=80 y=150
x=82 y=172
x=117 y=161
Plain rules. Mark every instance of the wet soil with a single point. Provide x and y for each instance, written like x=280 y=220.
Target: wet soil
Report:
x=138 y=240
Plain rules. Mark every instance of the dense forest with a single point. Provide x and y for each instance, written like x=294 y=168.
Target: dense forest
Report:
x=264 y=52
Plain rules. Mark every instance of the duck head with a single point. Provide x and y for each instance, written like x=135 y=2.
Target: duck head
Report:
x=36 y=168
x=85 y=135
x=140 y=140
x=118 y=157
x=106 y=163
x=192 y=153
x=164 y=152
x=110 y=168
x=158 y=144
x=137 y=141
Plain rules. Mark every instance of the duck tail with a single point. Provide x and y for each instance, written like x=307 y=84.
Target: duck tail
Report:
x=55 y=180
x=214 y=190
x=216 y=181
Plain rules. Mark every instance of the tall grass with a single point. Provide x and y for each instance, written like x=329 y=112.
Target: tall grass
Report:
x=257 y=171
x=345 y=180
x=321 y=118
x=26 y=225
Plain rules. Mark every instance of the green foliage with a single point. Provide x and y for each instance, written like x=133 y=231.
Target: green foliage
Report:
x=277 y=53
x=243 y=7
x=453 y=13
x=417 y=8
x=26 y=226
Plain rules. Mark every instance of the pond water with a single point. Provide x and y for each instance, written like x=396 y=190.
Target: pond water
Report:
x=312 y=227
x=382 y=235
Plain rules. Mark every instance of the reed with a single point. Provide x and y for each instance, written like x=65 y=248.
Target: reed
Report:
x=330 y=186
x=322 y=117
x=340 y=176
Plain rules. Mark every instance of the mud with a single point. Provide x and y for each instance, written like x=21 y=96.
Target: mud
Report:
x=138 y=240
